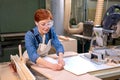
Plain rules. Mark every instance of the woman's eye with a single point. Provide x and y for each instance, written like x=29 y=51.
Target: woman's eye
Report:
x=43 y=24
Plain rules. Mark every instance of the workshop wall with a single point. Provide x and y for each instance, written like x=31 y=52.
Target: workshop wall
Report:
x=16 y=16
x=91 y=6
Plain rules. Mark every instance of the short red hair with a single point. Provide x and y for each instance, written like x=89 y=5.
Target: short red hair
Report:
x=42 y=14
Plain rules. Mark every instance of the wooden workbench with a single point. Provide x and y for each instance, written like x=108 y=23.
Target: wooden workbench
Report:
x=105 y=74
x=62 y=75
x=6 y=73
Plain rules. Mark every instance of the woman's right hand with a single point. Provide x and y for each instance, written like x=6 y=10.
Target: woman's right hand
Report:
x=57 y=67
x=47 y=64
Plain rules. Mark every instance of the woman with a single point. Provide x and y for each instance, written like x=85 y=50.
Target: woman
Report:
x=39 y=40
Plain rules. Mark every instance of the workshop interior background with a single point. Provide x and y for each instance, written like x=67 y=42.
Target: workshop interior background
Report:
x=16 y=17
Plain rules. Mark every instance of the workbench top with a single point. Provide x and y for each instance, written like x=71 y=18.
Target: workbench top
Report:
x=101 y=71
x=62 y=75
x=7 y=73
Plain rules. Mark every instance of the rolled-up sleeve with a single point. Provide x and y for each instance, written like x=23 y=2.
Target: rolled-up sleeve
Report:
x=56 y=43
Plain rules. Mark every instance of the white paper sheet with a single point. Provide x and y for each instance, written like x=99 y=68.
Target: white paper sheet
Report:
x=78 y=65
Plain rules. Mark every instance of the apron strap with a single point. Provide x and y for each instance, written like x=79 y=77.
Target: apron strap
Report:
x=50 y=36
x=36 y=36
x=43 y=39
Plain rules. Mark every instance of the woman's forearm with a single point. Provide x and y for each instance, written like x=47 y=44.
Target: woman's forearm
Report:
x=48 y=64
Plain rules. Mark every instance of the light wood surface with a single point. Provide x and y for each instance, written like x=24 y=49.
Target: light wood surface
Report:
x=63 y=74
x=7 y=73
x=107 y=73
x=66 y=54
x=22 y=69
x=70 y=44
x=20 y=51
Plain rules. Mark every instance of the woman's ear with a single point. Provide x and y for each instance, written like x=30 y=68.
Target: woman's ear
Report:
x=36 y=23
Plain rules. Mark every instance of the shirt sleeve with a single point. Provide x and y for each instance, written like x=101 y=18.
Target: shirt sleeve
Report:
x=56 y=43
x=30 y=46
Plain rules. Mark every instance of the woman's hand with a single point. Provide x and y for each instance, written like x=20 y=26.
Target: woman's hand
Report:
x=58 y=66
x=60 y=59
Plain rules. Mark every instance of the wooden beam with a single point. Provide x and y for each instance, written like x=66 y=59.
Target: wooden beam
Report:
x=22 y=70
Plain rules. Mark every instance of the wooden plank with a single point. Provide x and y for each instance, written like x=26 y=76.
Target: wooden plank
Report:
x=19 y=71
x=22 y=69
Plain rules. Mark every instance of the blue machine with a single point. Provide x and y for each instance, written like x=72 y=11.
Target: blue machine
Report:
x=111 y=17
x=111 y=22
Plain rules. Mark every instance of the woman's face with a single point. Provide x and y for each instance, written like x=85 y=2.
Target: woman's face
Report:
x=44 y=26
